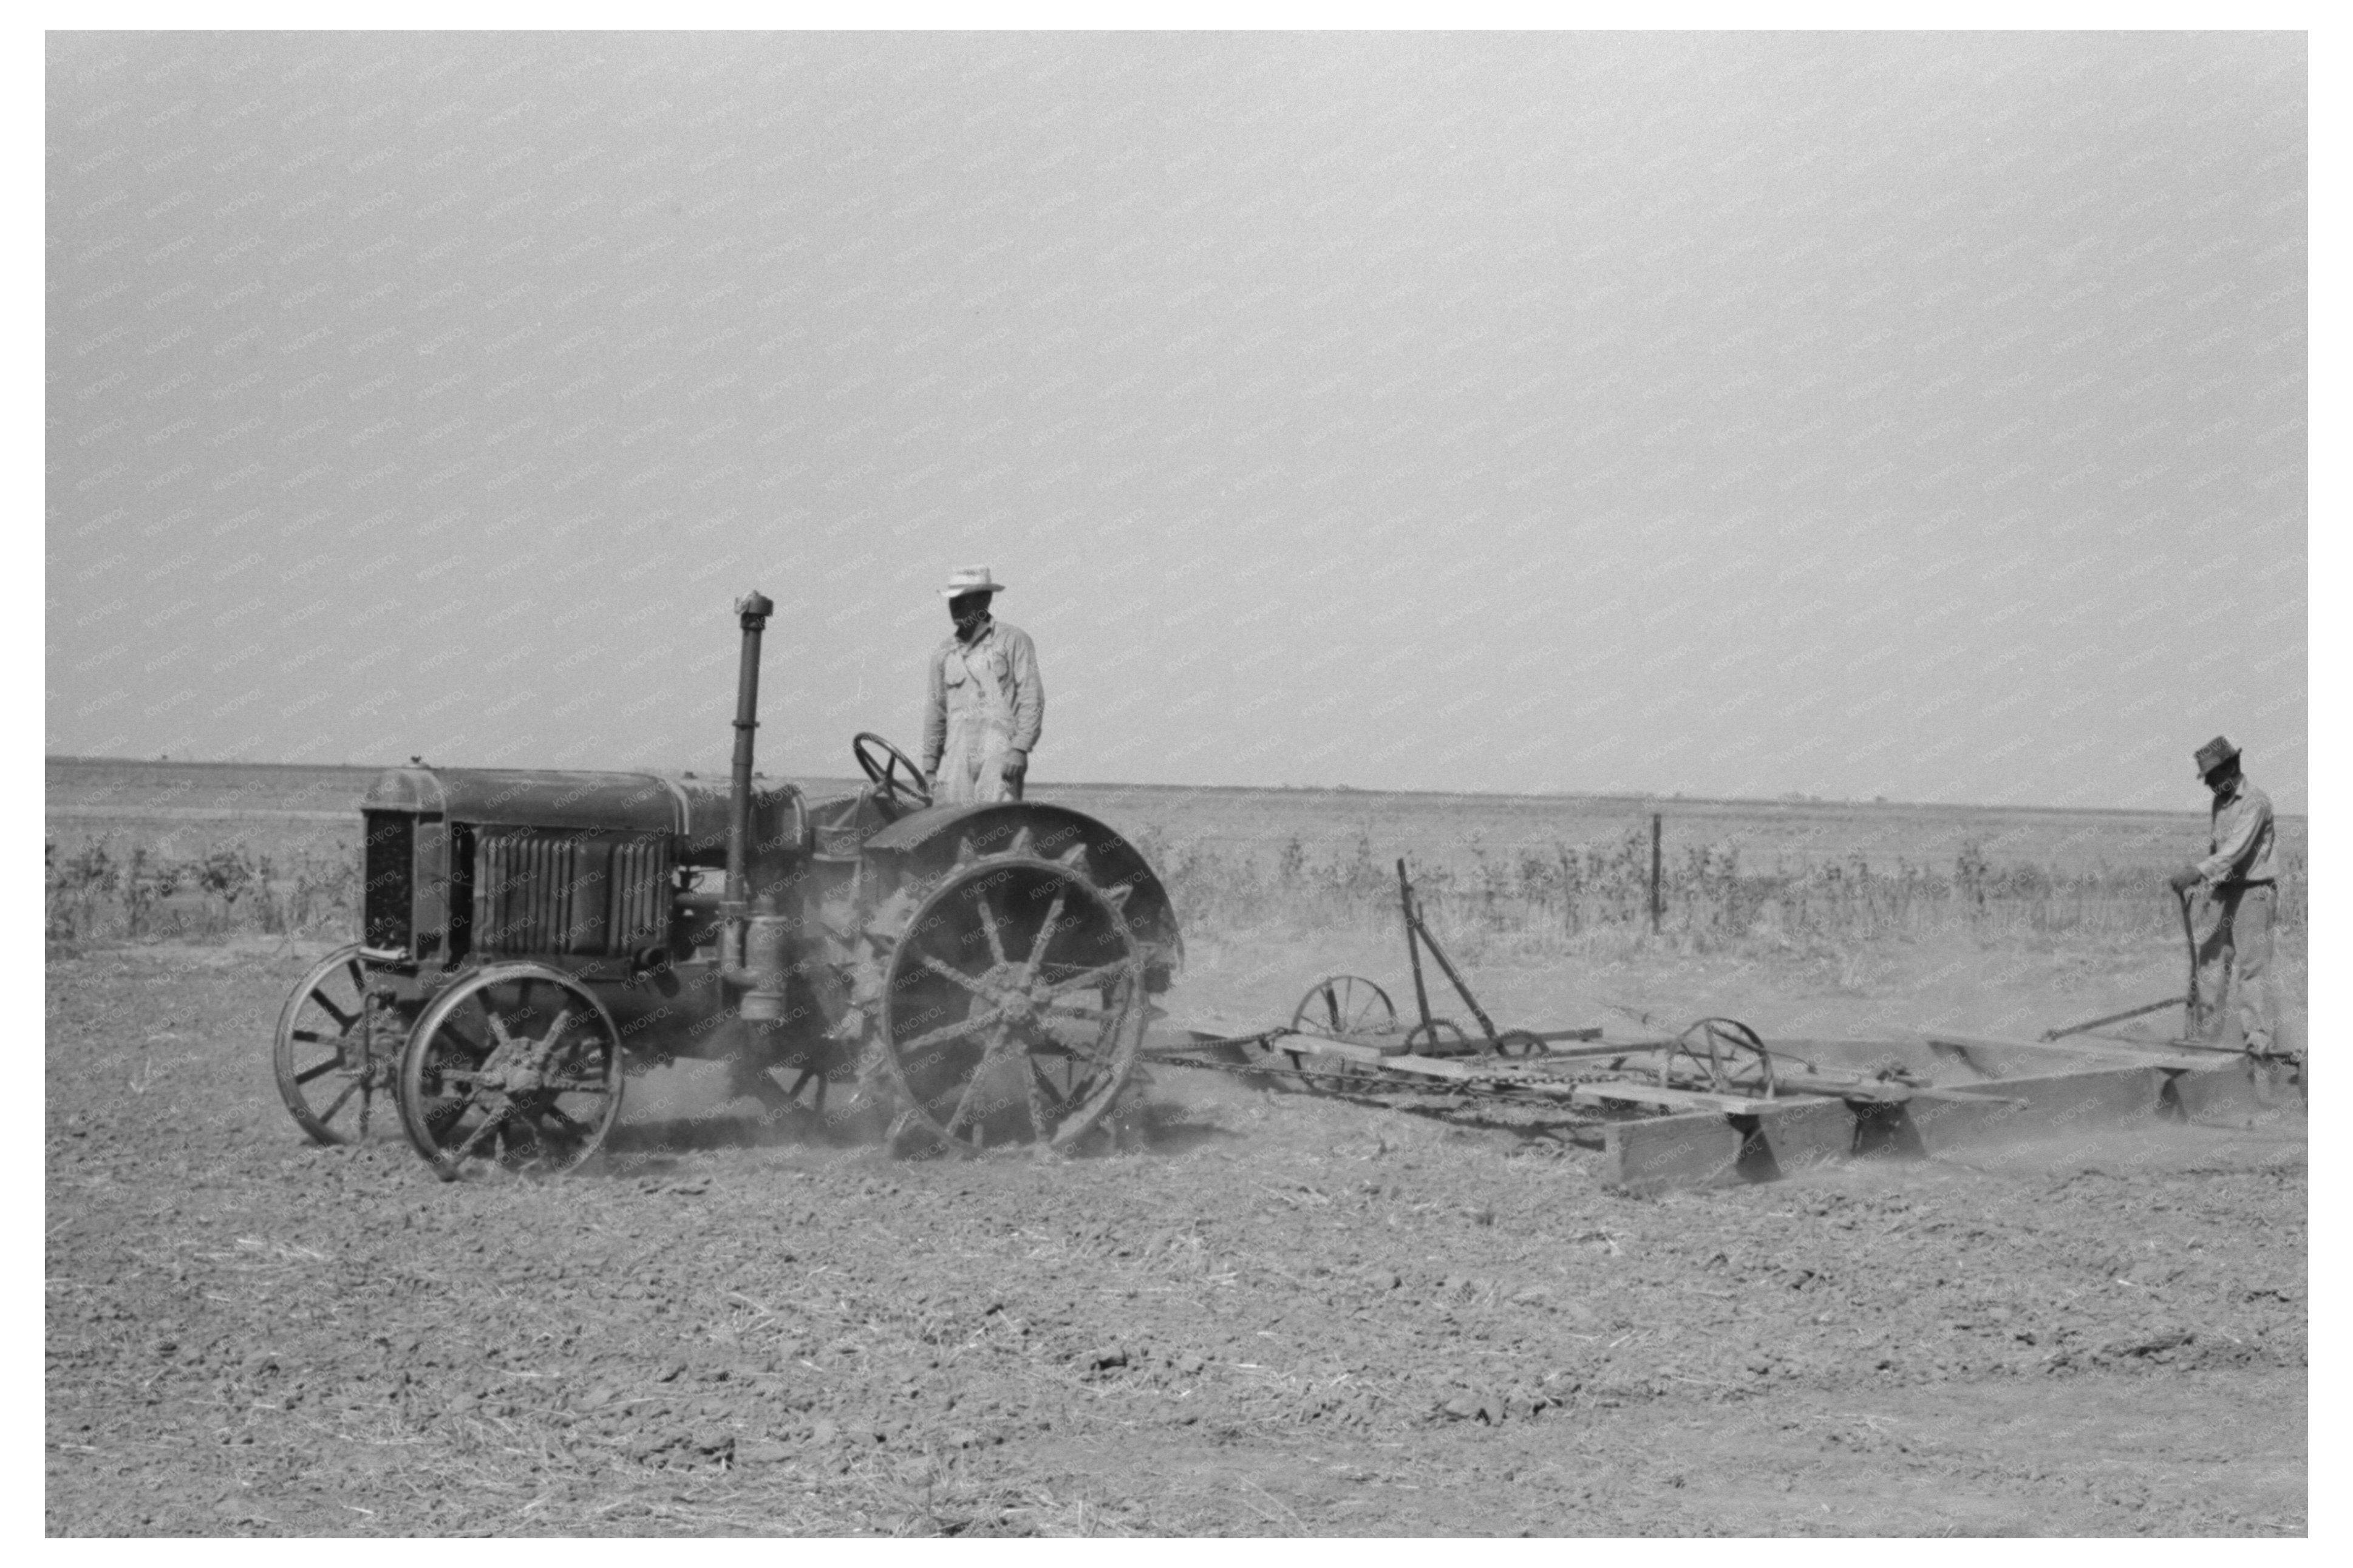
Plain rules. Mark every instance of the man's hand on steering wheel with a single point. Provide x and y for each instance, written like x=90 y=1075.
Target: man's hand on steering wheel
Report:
x=896 y=774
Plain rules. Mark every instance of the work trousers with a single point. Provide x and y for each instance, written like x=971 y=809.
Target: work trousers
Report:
x=2235 y=953
x=973 y=766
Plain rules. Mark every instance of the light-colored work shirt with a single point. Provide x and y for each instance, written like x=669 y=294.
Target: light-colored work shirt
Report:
x=989 y=683
x=2240 y=846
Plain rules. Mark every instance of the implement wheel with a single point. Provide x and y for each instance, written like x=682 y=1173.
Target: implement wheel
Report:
x=1723 y=1056
x=337 y=1048
x=1013 y=1001
x=518 y=1064
x=1336 y=1006
x=1341 y=1005
x=1438 y=1038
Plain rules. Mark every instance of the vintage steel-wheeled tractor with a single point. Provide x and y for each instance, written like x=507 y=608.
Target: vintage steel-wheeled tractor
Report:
x=530 y=939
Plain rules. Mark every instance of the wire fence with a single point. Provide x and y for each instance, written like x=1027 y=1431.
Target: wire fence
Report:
x=1709 y=897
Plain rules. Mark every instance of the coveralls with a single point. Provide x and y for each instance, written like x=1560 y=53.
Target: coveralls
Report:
x=2238 y=878
x=986 y=704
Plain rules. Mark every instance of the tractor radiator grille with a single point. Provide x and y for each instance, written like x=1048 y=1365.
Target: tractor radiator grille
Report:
x=389 y=879
x=551 y=892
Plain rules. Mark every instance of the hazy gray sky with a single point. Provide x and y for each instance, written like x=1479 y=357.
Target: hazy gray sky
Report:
x=1915 y=414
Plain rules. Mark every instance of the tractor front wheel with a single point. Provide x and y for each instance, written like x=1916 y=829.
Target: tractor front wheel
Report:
x=338 y=1046
x=518 y=1063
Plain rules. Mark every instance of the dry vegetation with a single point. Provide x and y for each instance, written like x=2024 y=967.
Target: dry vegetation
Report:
x=1710 y=900
x=1526 y=877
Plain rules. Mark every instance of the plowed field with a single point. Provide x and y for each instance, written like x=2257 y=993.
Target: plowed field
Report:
x=1270 y=1313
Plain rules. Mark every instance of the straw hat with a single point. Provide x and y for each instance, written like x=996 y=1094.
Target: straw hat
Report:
x=971 y=580
x=2214 y=754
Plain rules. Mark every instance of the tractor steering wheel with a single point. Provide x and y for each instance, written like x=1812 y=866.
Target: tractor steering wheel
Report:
x=908 y=791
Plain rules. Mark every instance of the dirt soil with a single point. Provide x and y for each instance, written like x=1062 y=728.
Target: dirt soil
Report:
x=1270 y=1313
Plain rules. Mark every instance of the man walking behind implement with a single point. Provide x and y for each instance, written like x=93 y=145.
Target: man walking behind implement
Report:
x=986 y=701
x=2238 y=878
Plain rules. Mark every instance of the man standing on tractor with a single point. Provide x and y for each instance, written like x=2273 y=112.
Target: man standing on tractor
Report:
x=986 y=702
x=2238 y=878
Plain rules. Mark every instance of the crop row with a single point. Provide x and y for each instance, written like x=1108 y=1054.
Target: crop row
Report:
x=1709 y=898
x=95 y=894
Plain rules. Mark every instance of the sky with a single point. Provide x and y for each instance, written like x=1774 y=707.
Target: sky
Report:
x=1914 y=416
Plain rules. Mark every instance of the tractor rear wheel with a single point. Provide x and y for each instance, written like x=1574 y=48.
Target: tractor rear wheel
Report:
x=1012 y=1000
x=338 y=1047
x=517 y=1063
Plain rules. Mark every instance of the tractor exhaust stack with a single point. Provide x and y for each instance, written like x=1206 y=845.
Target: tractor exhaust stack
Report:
x=753 y=610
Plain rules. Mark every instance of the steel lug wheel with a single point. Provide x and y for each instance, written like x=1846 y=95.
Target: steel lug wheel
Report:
x=519 y=1065
x=1013 y=1001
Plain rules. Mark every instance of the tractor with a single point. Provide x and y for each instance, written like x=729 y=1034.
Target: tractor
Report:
x=529 y=940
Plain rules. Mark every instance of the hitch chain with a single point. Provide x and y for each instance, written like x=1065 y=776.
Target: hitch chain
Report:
x=1358 y=1086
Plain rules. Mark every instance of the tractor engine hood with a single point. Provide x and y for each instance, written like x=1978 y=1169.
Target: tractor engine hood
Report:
x=693 y=809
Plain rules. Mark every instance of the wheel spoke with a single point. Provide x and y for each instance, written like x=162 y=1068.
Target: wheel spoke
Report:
x=1089 y=979
x=952 y=973
x=329 y=1064
x=1034 y=1091
x=343 y=1020
x=1063 y=1096
x=988 y=1058
x=1054 y=1045
x=933 y=1039
x=988 y=929
x=1332 y=1007
x=508 y=1149
x=489 y=1123
x=337 y=1103
x=1046 y=935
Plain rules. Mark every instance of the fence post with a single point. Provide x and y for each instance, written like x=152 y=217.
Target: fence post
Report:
x=1654 y=874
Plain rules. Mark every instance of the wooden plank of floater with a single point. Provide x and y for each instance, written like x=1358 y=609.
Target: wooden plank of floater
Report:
x=1697 y=1149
